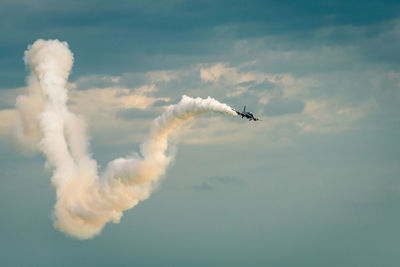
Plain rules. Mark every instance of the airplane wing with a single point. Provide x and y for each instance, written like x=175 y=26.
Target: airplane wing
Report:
x=238 y=112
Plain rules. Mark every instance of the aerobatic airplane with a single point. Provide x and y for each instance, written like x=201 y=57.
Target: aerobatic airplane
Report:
x=246 y=114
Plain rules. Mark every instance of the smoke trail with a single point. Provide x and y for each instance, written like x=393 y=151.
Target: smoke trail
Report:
x=85 y=200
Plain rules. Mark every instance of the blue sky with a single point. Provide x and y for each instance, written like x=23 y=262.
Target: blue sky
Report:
x=316 y=183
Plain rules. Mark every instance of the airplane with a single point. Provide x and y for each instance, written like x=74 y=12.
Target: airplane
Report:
x=246 y=114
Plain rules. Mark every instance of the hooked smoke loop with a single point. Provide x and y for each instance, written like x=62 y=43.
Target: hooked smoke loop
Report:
x=85 y=200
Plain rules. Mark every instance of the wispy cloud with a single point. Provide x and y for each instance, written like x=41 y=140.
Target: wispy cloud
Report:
x=214 y=182
x=7 y=118
x=203 y=187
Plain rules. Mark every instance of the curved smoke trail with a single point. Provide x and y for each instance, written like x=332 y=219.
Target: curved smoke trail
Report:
x=85 y=200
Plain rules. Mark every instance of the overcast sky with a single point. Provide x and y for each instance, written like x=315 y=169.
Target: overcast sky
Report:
x=315 y=183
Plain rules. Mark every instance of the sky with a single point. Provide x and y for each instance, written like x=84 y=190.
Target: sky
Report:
x=315 y=183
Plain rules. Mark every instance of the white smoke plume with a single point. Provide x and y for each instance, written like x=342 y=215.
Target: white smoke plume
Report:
x=86 y=201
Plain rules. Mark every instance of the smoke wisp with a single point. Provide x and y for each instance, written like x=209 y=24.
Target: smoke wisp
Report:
x=86 y=201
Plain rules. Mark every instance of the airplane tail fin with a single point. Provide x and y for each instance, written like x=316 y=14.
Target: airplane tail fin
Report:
x=244 y=109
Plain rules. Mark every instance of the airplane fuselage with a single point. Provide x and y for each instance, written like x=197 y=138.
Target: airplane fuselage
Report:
x=245 y=114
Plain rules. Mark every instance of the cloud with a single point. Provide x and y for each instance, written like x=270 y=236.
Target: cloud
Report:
x=96 y=81
x=203 y=187
x=333 y=116
x=261 y=87
x=108 y=100
x=213 y=73
x=8 y=96
x=231 y=75
x=384 y=46
x=109 y=110
x=7 y=118
x=162 y=76
x=171 y=35
x=135 y=113
x=216 y=181
x=160 y=103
